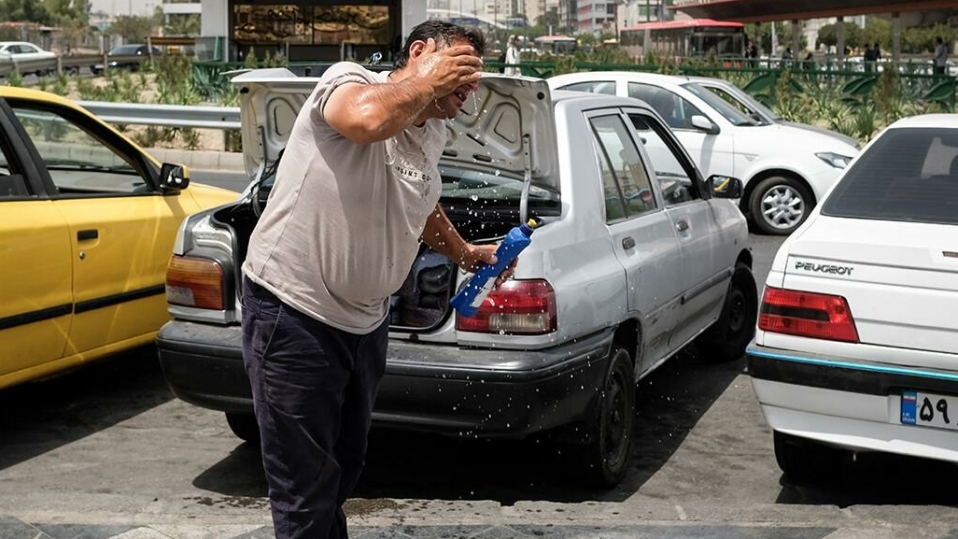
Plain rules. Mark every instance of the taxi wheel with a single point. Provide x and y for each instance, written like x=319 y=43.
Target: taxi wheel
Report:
x=728 y=337
x=807 y=462
x=244 y=426
x=603 y=461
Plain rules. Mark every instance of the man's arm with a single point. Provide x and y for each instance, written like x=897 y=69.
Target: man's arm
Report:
x=443 y=237
x=366 y=113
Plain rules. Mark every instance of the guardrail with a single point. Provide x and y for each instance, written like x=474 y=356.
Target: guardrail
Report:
x=67 y=64
x=195 y=116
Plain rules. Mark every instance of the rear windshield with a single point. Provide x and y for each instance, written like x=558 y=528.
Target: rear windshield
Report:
x=906 y=175
x=478 y=185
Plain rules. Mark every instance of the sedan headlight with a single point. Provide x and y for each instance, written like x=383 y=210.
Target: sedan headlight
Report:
x=834 y=159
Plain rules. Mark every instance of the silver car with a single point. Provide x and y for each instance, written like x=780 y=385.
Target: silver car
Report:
x=636 y=256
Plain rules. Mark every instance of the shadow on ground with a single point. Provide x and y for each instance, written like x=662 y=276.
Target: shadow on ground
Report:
x=407 y=465
x=38 y=417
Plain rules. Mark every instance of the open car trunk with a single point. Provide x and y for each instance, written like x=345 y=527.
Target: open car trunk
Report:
x=499 y=168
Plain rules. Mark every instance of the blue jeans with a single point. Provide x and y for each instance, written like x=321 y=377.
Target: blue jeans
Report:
x=313 y=392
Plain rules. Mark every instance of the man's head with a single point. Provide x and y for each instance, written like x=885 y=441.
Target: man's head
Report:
x=938 y=40
x=445 y=35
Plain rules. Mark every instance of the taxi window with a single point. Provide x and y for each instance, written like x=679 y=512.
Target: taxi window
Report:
x=12 y=183
x=78 y=162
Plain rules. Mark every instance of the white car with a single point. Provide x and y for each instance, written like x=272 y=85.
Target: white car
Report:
x=22 y=51
x=786 y=170
x=857 y=341
x=756 y=110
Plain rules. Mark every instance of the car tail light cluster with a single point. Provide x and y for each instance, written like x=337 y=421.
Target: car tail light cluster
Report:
x=195 y=282
x=807 y=314
x=514 y=308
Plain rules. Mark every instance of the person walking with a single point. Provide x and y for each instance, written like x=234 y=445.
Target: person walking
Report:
x=513 y=57
x=941 y=57
x=356 y=191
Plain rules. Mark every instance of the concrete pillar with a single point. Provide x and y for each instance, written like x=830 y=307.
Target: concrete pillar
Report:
x=796 y=37
x=841 y=39
x=896 y=38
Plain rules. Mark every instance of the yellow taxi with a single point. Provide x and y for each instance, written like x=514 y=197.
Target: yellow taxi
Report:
x=87 y=223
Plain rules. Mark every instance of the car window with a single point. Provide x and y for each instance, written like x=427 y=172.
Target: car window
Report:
x=905 y=175
x=79 y=162
x=594 y=87
x=627 y=189
x=28 y=48
x=676 y=176
x=674 y=109
x=13 y=183
x=730 y=113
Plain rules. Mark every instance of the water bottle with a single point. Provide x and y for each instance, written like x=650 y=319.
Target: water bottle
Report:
x=471 y=296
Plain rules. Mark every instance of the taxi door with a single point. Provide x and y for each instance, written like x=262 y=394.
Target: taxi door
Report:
x=120 y=226
x=36 y=296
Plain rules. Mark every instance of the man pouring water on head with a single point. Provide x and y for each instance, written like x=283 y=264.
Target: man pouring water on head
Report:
x=356 y=191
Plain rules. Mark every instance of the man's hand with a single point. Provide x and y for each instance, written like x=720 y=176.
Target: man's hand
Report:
x=474 y=256
x=447 y=69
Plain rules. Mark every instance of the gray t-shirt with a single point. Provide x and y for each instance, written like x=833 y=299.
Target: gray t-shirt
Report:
x=342 y=226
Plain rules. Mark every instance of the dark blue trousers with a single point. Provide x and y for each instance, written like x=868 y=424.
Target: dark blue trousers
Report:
x=313 y=392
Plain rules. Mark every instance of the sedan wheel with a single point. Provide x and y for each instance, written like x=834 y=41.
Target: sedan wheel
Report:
x=604 y=460
x=779 y=205
x=805 y=461
x=728 y=337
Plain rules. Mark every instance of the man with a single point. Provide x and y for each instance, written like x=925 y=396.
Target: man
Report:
x=357 y=187
x=512 y=57
x=941 y=57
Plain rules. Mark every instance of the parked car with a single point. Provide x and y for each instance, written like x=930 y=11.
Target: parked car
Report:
x=756 y=110
x=785 y=170
x=88 y=222
x=129 y=57
x=857 y=342
x=635 y=257
x=22 y=51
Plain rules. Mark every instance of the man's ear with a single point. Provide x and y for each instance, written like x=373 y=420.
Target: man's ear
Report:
x=416 y=48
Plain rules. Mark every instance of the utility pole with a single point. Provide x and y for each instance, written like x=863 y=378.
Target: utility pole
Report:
x=648 y=10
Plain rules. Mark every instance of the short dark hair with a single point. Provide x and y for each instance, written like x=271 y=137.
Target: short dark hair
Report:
x=445 y=33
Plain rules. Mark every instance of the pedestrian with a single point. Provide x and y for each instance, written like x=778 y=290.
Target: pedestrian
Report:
x=356 y=190
x=941 y=57
x=513 y=57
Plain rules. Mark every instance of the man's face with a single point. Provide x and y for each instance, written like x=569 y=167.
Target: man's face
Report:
x=448 y=106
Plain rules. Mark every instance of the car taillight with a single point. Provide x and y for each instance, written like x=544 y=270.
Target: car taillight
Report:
x=515 y=308
x=807 y=314
x=194 y=282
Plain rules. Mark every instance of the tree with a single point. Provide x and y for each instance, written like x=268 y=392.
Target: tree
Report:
x=828 y=35
x=547 y=19
x=132 y=28
x=25 y=11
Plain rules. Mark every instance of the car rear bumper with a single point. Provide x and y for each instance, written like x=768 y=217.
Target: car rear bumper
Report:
x=436 y=388
x=854 y=405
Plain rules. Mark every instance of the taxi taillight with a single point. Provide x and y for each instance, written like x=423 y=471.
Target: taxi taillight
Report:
x=807 y=314
x=195 y=282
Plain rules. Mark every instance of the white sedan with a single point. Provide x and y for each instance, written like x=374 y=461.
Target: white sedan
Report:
x=22 y=51
x=857 y=341
x=786 y=170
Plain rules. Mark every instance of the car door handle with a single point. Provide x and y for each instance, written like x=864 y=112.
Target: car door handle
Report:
x=628 y=242
x=83 y=235
x=682 y=225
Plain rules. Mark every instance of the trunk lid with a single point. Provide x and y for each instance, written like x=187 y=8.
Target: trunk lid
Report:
x=900 y=279
x=507 y=127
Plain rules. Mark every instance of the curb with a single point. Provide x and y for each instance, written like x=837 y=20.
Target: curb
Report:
x=201 y=160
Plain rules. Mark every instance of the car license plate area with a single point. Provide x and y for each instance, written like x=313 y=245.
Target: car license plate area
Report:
x=929 y=410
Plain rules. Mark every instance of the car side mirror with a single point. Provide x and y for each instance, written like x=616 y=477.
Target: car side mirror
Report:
x=725 y=186
x=704 y=124
x=174 y=177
